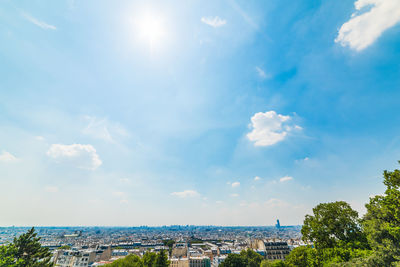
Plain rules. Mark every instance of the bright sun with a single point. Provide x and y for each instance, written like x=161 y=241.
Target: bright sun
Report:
x=151 y=29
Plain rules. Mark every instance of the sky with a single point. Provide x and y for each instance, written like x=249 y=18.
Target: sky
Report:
x=128 y=113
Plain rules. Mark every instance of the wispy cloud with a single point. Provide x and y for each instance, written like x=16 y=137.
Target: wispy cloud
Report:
x=364 y=28
x=186 y=193
x=285 y=179
x=261 y=73
x=213 y=21
x=270 y=128
x=7 y=157
x=244 y=15
x=102 y=128
x=38 y=22
x=235 y=184
x=257 y=178
x=81 y=156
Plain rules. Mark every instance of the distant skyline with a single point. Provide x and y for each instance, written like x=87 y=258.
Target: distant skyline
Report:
x=230 y=113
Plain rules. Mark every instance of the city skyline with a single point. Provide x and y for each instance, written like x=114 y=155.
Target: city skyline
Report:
x=197 y=113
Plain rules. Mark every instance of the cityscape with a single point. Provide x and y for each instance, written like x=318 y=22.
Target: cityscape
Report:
x=187 y=245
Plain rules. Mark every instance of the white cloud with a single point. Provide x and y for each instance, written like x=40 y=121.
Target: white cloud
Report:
x=285 y=179
x=39 y=23
x=257 y=178
x=103 y=129
x=81 y=156
x=261 y=73
x=186 y=193
x=365 y=27
x=213 y=21
x=7 y=157
x=235 y=184
x=304 y=160
x=270 y=128
x=234 y=195
x=51 y=189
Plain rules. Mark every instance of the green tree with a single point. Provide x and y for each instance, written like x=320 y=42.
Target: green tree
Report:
x=128 y=261
x=149 y=258
x=7 y=253
x=246 y=258
x=25 y=251
x=334 y=224
x=276 y=263
x=303 y=256
x=161 y=259
x=234 y=260
x=29 y=252
x=252 y=258
x=382 y=222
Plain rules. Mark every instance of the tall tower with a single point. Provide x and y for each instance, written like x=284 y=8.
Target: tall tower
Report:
x=278 y=224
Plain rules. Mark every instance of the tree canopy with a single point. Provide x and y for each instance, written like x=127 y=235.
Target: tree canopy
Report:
x=247 y=258
x=333 y=224
x=24 y=251
x=149 y=259
x=382 y=222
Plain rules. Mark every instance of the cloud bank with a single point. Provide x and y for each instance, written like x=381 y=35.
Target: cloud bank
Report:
x=366 y=27
x=81 y=156
x=7 y=157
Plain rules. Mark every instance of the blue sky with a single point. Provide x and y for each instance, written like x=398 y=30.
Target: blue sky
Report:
x=170 y=112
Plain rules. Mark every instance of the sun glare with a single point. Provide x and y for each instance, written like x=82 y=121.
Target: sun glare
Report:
x=151 y=29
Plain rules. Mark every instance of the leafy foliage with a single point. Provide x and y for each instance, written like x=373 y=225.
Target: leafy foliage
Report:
x=334 y=224
x=25 y=251
x=382 y=222
x=234 y=260
x=308 y=256
x=248 y=258
x=276 y=263
x=150 y=259
x=161 y=260
x=128 y=261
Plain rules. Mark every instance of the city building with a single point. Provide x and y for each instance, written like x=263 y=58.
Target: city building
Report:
x=74 y=258
x=179 y=262
x=199 y=262
x=276 y=250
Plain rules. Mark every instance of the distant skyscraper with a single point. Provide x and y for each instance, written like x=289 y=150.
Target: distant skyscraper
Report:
x=278 y=224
